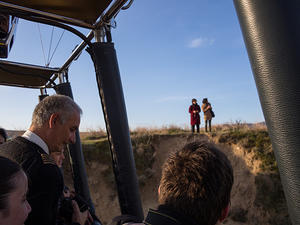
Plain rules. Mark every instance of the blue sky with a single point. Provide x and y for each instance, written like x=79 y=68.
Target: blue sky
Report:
x=168 y=51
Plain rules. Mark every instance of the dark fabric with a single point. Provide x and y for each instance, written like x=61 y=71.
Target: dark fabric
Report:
x=84 y=10
x=44 y=178
x=166 y=216
x=212 y=113
x=112 y=99
x=21 y=75
x=209 y=123
x=119 y=220
x=193 y=128
x=271 y=34
x=195 y=117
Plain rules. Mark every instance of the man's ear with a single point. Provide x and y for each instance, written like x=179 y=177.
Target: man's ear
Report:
x=53 y=120
x=224 y=213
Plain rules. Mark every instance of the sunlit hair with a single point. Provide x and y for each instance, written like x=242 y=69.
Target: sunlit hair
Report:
x=60 y=104
x=196 y=182
x=9 y=170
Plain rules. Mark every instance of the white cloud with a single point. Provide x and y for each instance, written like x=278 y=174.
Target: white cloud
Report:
x=201 y=42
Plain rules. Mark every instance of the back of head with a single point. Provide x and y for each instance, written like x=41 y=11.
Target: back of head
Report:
x=60 y=104
x=204 y=101
x=9 y=170
x=196 y=182
x=3 y=134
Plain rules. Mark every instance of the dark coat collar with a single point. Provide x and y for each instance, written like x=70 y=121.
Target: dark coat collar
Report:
x=166 y=216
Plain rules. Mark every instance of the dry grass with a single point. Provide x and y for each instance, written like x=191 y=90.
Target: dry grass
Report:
x=255 y=141
x=252 y=138
x=93 y=134
x=164 y=130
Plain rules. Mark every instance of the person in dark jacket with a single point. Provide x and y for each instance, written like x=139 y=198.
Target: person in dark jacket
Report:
x=194 y=188
x=59 y=157
x=54 y=122
x=194 y=110
x=207 y=110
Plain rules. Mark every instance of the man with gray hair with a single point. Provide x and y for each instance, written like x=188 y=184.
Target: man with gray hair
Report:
x=54 y=123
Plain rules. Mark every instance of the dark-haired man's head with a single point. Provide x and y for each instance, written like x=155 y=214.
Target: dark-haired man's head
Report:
x=3 y=136
x=196 y=181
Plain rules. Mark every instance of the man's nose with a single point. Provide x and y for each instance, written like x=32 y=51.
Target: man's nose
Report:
x=28 y=207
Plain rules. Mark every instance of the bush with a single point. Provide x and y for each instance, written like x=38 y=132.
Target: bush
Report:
x=256 y=141
x=143 y=150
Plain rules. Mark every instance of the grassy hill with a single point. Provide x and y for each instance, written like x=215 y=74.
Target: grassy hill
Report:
x=257 y=196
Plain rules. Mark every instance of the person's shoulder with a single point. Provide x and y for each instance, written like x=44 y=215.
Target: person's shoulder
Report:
x=48 y=172
x=48 y=166
x=16 y=144
x=17 y=149
x=47 y=160
x=8 y=144
x=126 y=219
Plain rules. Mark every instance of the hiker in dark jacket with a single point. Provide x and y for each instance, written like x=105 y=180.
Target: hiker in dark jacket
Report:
x=207 y=110
x=194 y=110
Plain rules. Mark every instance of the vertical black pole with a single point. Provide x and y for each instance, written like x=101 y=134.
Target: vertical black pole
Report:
x=80 y=177
x=113 y=104
x=43 y=94
x=41 y=97
x=271 y=31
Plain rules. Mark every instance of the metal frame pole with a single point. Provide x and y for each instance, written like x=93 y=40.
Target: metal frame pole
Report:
x=271 y=33
x=111 y=94
x=78 y=165
x=43 y=94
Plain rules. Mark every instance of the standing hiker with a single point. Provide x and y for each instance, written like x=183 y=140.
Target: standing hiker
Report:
x=194 y=110
x=208 y=113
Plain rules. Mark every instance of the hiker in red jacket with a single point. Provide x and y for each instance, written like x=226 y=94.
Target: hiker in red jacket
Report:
x=194 y=110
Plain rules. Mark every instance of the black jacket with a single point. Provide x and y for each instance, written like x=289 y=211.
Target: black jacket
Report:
x=44 y=178
x=166 y=216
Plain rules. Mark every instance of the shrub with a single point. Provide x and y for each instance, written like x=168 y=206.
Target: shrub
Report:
x=143 y=150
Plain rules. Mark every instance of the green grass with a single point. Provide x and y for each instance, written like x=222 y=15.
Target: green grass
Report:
x=256 y=141
x=98 y=150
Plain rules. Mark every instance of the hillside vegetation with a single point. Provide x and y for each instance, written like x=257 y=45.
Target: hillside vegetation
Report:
x=257 y=196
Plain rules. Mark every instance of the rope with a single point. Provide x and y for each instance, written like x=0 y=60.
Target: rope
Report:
x=50 y=47
x=41 y=43
x=62 y=34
